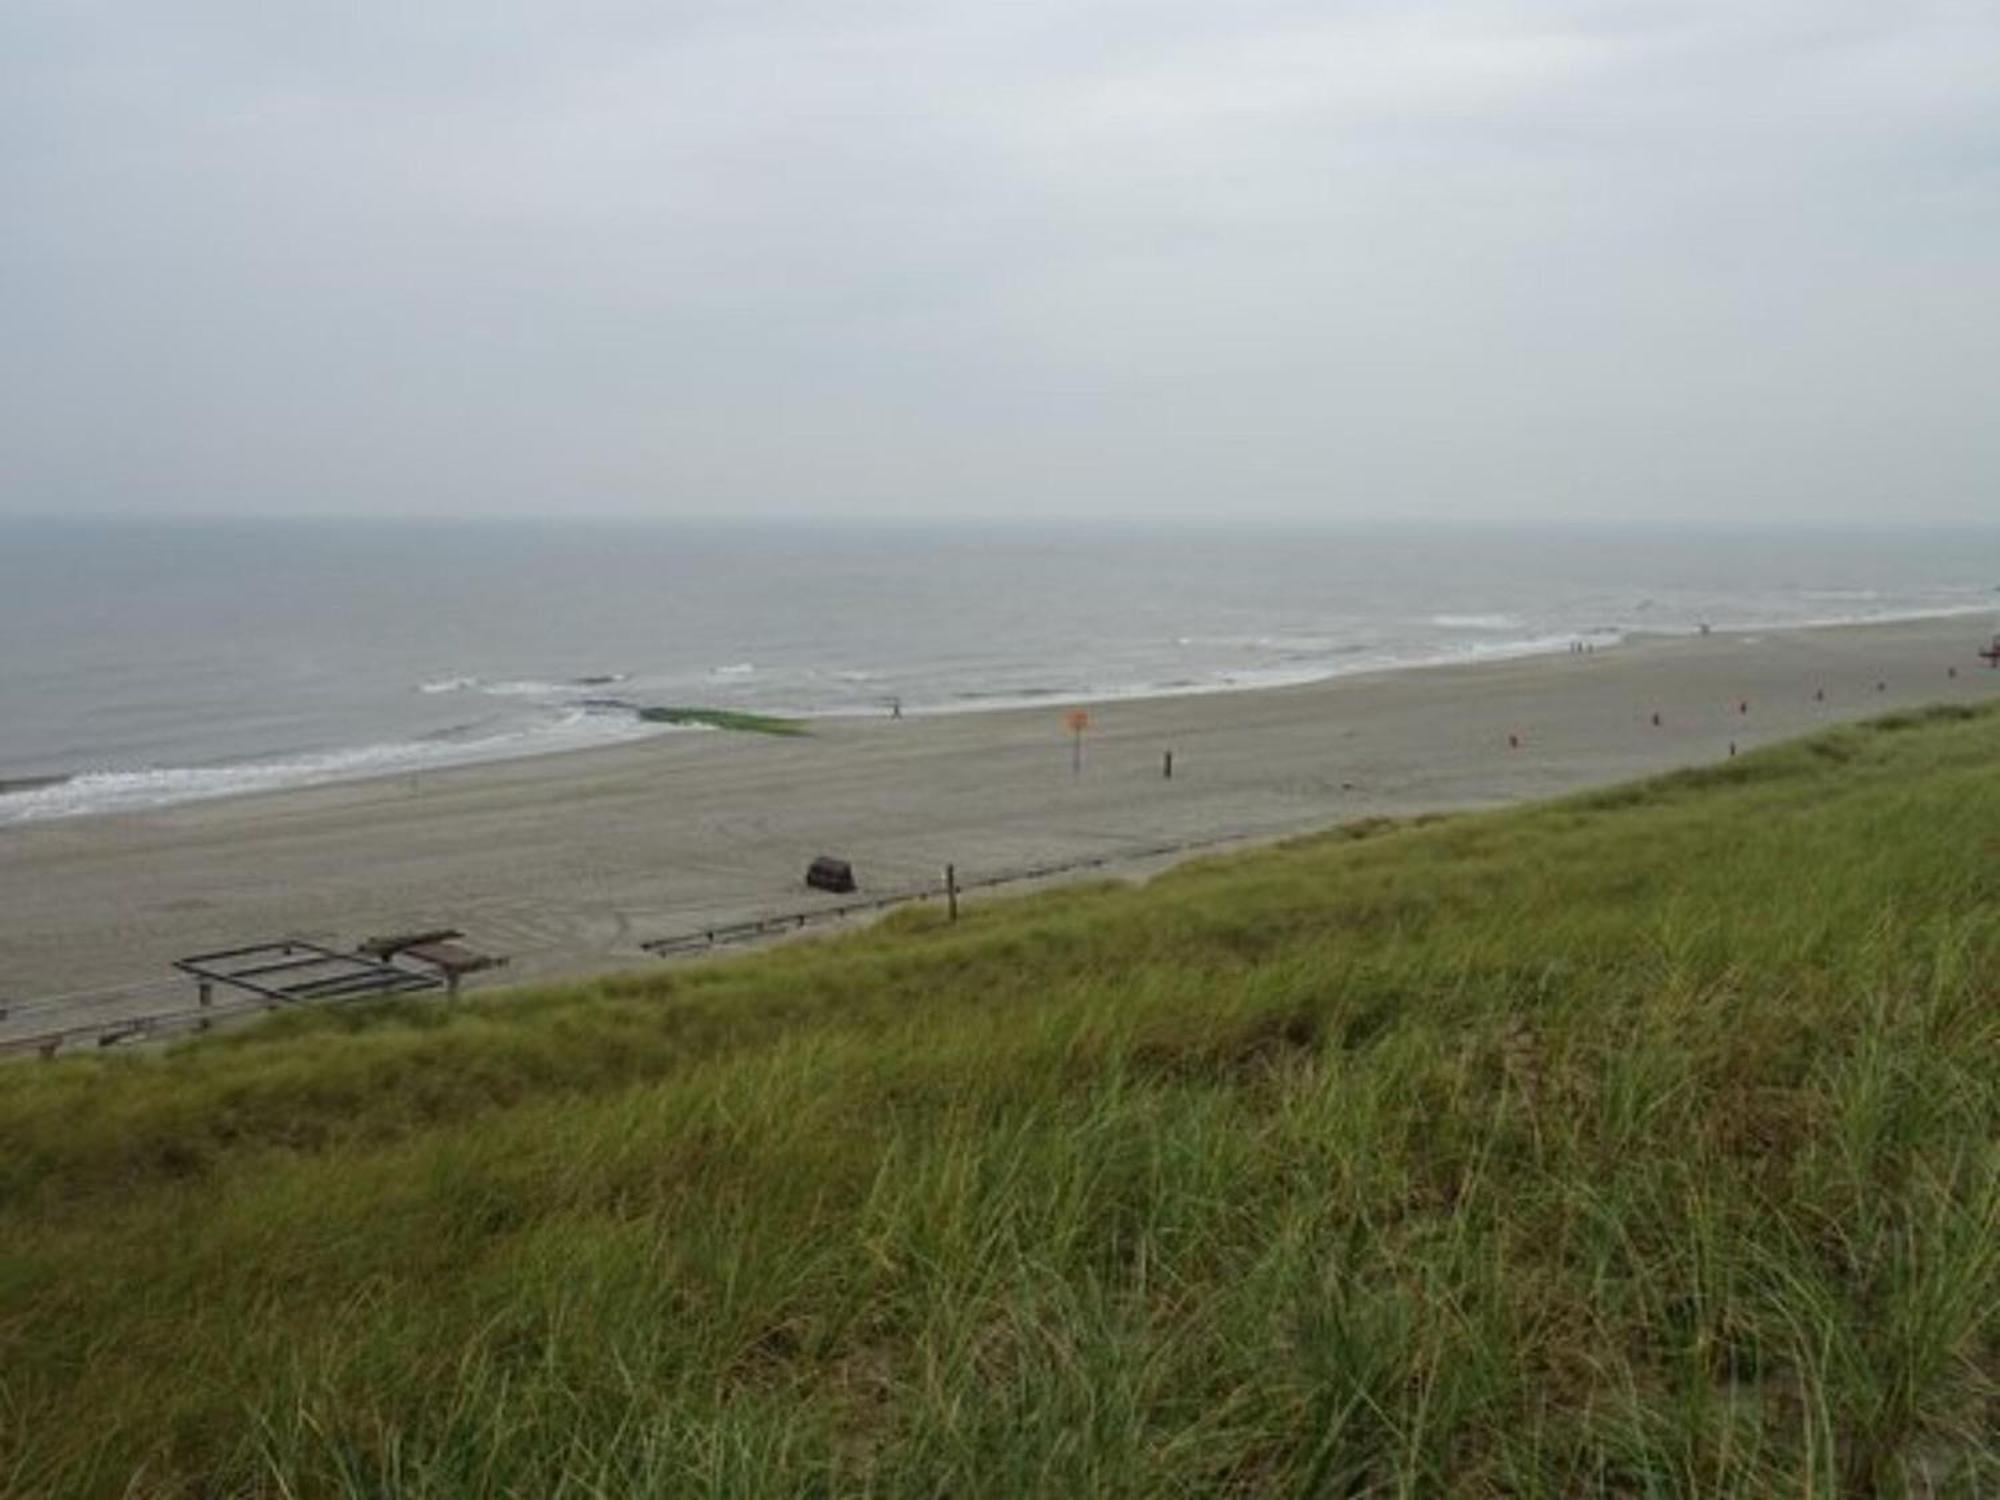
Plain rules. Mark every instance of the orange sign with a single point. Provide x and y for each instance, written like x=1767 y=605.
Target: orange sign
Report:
x=1078 y=721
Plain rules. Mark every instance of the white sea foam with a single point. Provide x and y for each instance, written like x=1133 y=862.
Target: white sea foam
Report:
x=1476 y=622
x=526 y=688
x=522 y=687
x=1085 y=621
x=1342 y=661
x=130 y=791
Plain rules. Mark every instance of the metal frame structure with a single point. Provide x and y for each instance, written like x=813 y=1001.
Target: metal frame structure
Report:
x=340 y=976
x=256 y=978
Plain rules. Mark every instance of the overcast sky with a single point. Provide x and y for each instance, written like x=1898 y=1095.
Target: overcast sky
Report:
x=1496 y=259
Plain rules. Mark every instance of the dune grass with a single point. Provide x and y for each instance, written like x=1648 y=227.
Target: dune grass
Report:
x=1645 y=1143
x=725 y=718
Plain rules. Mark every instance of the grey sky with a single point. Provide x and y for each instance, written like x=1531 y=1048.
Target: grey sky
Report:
x=1604 y=258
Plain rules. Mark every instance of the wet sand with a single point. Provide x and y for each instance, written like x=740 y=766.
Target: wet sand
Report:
x=568 y=862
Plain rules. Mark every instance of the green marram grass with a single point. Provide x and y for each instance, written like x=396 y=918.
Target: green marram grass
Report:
x=724 y=718
x=1639 y=1144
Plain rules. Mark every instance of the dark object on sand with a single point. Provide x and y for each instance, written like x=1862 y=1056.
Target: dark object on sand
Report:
x=453 y=960
x=435 y=948
x=389 y=947
x=829 y=874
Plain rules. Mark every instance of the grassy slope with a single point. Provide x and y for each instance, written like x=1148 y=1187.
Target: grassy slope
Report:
x=1643 y=1143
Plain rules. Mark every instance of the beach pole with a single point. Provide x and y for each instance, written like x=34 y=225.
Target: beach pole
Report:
x=1167 y=766
x=951 y=891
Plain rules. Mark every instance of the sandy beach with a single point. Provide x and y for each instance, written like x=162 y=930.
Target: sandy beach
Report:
x=567 y=863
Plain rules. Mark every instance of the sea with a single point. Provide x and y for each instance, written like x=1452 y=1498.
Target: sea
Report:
x=147 y=663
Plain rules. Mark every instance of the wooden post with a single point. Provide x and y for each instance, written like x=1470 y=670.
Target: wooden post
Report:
x=951 y=891
x=1167 y=766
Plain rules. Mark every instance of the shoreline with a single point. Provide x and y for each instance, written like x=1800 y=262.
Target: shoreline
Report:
x=568 y=862
x=336 y=766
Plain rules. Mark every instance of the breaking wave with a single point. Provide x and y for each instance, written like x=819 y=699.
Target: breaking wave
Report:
x=131 y=791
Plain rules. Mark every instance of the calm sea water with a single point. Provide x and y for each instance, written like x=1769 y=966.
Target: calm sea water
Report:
x=154 y=663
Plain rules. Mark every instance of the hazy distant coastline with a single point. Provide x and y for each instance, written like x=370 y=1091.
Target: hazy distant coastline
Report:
x=615 y=721
x=263 y=657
